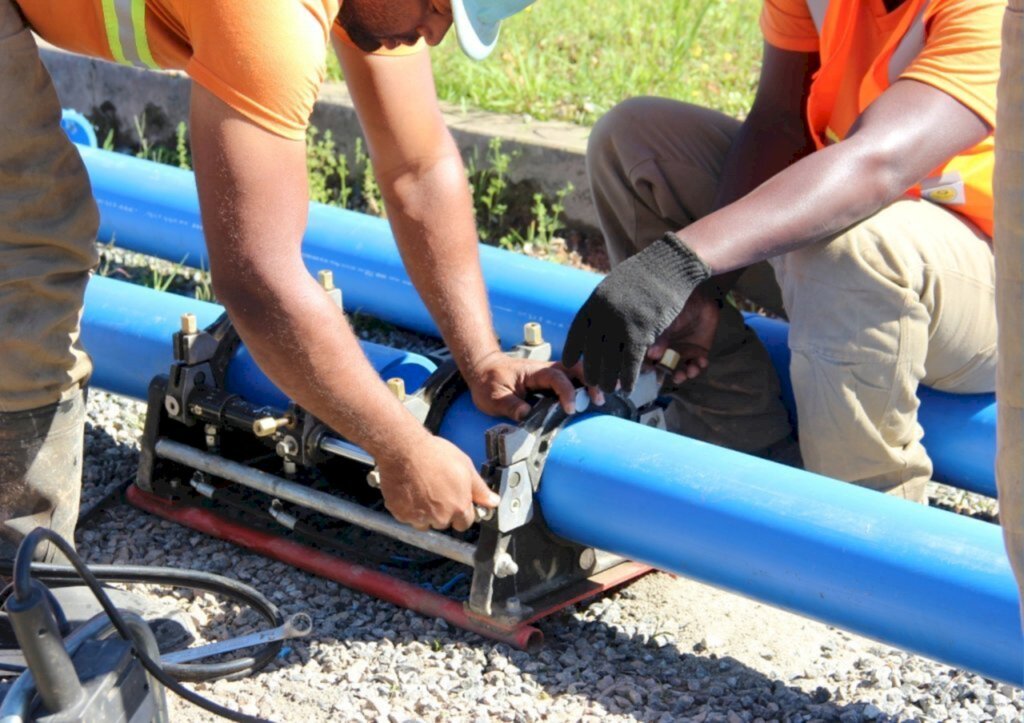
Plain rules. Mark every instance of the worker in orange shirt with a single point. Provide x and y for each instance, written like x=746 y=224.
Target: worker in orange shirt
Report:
x=863 y=175
x=256 y=70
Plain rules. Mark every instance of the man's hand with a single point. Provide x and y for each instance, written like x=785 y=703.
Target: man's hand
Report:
x=429 y=482
x=499 y=384
x=629 y=309
x=690 y=335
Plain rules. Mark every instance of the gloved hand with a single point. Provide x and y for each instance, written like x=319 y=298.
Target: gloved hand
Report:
x=629 y=309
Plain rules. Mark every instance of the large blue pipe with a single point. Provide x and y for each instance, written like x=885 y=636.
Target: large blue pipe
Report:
x=154 y=209
x=127 y=330
x=919 y=578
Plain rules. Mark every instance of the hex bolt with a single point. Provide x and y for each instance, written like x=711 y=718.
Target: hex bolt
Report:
x=267 y=426
x=287 y=447
x=397 y=387
x=189 y=325
x=532 y=334
x=325 y=277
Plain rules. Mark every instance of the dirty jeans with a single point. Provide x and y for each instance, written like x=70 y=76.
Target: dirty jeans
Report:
x=48 y=224
x=1009 y=243
x=902 y=298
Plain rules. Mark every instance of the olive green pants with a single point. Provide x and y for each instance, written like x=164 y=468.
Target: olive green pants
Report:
x=1009 y=244
x=902 y=298
x=48 y=224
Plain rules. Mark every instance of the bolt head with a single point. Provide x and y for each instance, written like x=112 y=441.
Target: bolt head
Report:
x=397 y=387
x=189 y=324
x=533 y=335
x=326 y=279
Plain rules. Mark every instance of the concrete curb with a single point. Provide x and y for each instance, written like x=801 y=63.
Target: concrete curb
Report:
x=547 y=154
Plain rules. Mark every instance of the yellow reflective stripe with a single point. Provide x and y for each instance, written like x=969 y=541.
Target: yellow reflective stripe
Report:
x=125 y=23
x=113 y=36
x=141 y=39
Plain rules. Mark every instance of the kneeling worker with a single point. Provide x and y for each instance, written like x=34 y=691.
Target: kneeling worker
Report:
x=863 y=175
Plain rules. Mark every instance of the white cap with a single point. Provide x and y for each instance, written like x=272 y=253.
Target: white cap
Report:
x=477 y=23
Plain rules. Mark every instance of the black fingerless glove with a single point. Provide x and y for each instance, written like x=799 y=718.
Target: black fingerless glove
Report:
x=629 y=309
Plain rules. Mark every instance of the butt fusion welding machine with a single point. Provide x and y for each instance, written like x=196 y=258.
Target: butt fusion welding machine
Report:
x=272 y=480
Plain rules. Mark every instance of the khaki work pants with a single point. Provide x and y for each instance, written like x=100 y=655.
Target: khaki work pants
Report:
x=1009 y=242
x=48 y=224
x=905 y=297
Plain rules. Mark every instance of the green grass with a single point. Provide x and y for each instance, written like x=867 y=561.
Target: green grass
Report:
x=573 y=60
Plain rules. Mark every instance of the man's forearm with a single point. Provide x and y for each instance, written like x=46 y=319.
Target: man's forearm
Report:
x=431 y=213
x=302 y=341
x=763 y=147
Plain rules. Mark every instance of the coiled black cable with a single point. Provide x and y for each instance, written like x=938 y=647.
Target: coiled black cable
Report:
x=22 y=574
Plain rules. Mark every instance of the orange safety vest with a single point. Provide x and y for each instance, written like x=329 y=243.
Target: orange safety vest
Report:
x=964 y=183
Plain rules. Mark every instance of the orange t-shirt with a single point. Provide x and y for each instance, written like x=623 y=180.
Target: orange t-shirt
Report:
x=266 y=60
x=952 y=45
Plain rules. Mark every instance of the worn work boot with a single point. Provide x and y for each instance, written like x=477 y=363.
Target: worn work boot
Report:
x=41 y=473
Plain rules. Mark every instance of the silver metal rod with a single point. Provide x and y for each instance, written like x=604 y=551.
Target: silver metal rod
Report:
x=341 y=448
x=329 y=505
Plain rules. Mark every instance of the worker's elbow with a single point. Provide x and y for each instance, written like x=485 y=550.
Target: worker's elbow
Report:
x=881 y=175
x=242 y=289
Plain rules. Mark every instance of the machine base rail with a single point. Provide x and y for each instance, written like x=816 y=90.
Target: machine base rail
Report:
x=524 y=635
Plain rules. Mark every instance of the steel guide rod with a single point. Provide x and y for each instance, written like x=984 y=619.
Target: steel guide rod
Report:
x=322 y=502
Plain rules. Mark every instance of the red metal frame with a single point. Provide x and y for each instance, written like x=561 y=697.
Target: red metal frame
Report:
x=373 y=582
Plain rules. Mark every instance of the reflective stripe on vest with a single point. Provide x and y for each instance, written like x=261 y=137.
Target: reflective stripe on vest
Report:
x=910 y=45
x=125 y=22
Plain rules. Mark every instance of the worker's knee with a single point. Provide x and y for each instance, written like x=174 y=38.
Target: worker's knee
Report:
x=614 y=145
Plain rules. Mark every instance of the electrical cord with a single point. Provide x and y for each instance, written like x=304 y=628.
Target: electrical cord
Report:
x=208 y=582
x=22 y=582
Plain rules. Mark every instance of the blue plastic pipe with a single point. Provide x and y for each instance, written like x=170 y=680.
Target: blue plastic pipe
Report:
x=154 y=209
x=127 y=330
x=923 y=579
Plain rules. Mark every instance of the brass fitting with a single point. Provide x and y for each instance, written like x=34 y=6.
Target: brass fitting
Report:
x=268 y=426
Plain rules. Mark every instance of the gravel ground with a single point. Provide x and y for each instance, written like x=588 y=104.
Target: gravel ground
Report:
x=661 y=649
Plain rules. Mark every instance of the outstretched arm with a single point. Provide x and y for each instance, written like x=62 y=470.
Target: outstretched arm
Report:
x=908 y=131
x=427 y=196
x=252 y=188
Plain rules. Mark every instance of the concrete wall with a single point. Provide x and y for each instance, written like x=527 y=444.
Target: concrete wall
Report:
x=547 y=154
